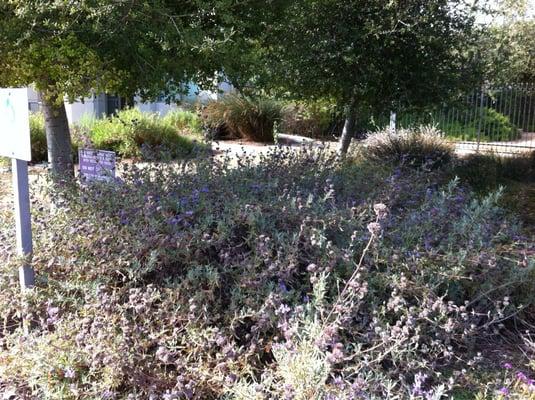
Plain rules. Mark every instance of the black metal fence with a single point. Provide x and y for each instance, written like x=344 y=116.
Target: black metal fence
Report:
x=492 y=119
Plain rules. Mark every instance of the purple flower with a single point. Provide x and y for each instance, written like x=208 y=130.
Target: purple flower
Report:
x=504 y=391
x=174 y=220
x=69 y=373
x=521 y=377
x=507 y=365
x=417 y=387
x=231 y=378
x=53 y=314
x=339 y=382
x=283 y=310
x=107 y=395
x=282 y=287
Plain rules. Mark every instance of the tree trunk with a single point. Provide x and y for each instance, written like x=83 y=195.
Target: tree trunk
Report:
x=349 y=127
x=58 y=138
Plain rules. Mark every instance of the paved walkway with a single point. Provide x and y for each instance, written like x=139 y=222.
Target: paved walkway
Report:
x=525 y=144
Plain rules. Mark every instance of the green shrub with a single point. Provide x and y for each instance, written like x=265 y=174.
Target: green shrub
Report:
x=132 y=133
x=186 y=122
x=245 y=117
x=417 y=147
x=494 y=127
x=463 y=124
x=315 y=119
x=38 y=138
x=486 y=171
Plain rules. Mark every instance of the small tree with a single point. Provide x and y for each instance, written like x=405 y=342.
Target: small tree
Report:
x=369 y=53
x=508 y=51
x=70 y=48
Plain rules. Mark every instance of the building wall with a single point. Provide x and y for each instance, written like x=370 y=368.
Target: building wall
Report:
x=96 y=105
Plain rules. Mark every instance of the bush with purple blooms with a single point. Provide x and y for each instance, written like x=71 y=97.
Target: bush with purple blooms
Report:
x=512 y=384
x=295 y=276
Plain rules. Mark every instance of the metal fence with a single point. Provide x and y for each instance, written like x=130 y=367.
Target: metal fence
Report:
x=493 y=119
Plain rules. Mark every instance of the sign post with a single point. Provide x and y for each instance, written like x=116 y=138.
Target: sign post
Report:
x=15 y=144
x=23 y=221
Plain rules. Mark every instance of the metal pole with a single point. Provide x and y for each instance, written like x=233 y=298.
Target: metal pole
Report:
x=530 y=120
x=515 y=106
x=524 y=111
x=482 y=99
x=466 y=111
x=23 y=221
x=509 y=103
x=474 y=103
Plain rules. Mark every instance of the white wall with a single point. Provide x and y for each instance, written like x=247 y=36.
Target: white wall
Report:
x=96 y=105
x=158 y=107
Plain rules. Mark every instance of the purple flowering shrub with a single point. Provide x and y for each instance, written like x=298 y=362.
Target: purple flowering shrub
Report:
x=511 y=384
x=295 y=276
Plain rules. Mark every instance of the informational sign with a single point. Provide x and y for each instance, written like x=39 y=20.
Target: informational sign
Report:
x=15 y=124
x=15 y=144
x=97 y=165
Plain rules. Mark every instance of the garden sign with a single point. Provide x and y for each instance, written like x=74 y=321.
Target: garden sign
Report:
x=97 y=165
x=15 y=144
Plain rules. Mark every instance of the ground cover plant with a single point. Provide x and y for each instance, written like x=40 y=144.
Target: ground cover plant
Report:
x=296 y=276
x=487 y=172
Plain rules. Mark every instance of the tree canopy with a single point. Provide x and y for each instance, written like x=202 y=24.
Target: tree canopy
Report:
x=375 y=54
x=508 y=51
x=128 y=47
x=362 y=53
x=70 y=48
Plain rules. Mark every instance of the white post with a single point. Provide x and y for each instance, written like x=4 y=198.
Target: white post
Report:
x=23 y=221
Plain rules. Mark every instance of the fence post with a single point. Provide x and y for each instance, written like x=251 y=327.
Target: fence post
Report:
x=392 y=121
x=481 y=103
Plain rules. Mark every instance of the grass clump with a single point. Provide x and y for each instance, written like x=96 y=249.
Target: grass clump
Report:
x=240 y=116
x=417 y=147
x=299 y=276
